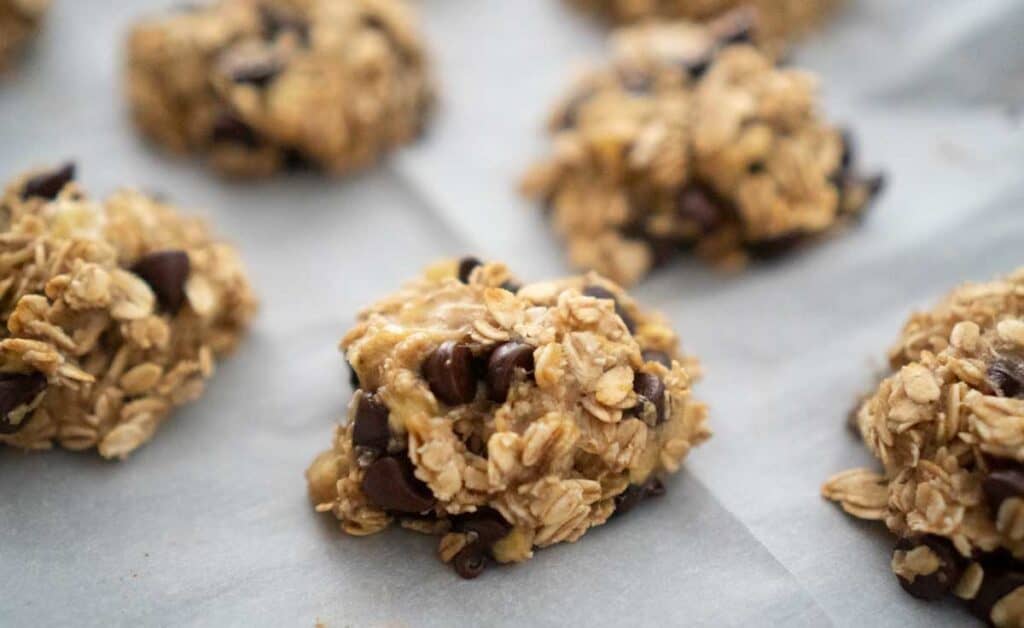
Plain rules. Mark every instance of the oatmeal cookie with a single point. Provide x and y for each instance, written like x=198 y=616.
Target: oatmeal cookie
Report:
x=264 y=85
x=505 y=417
x=114 y=311
x=948 y=429
x=780 y=19
x=19 y=22
x=693 y=138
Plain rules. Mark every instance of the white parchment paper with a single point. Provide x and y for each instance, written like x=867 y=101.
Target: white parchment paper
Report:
x=209 y=524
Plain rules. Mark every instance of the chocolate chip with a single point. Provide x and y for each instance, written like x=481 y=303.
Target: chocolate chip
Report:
x=756 y=167
x=502 y=366
x=650 y=398
x=18 y=391
x=1002 y=484
x=391 y=484
x=1006 y=377
x=466 y=266
x=696 y=205
x=774 y=248
x=276 y=22
x=486 y=526
x=736 y=27
x=936 y=584
x=166 y=273
x=849 y=150
x=598 y=292
x=371 y=424
x=634 y=494
x=660 y=357
x=470 y=562
x=996 y=584
x=511 y=286
x=449 y=373
x=697 y=66
x=49 y=184
x=229 y=129
x=875 y=185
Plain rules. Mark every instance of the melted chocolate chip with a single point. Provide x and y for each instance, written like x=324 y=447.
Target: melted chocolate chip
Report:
x=486 y=526
x=470 y=562
x=936 y=584
x=502 y=366
x=996 y=584
x=17 y=391
x=660 y=357
x=371 y=424
x=449 y=373
x=1006 y=377
x=391 y=484
x=650 y=398
x=466 y=267
x=228 y=129
x=49 y=184
x=696 y=205
x=1002 y=484
x=166 y=273
x=634 y=494
x=598 y=292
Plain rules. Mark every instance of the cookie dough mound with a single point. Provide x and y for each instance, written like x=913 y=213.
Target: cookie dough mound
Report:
x=264 y=85
x=19 y=22
x=692 y=138
x=114 y=313
x=780 y=19
x=948 y=429
x=504 y=417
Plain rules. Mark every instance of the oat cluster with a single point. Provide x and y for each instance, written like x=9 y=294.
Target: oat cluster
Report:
x=948 y=429
x=693 y=138
x=114 y=313
x=780 y=19
x=505 y=417
x=19 y=22
x=264 y=85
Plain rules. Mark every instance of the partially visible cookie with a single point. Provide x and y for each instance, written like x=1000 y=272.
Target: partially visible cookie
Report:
x=113 y=312
x=693 y=138
x=505 y=417
x=19 y=22
x=948 y=429
x=264 y=85
x=780 y=19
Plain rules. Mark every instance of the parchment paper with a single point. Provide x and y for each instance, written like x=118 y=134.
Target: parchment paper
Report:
x=209 y=524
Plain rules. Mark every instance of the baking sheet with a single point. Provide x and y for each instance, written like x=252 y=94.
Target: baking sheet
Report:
x=209 y=523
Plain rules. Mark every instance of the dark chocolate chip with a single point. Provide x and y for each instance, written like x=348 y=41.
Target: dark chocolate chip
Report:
x=1006 y=377
x=598 y=292
x=696 y=66
x=849 y=150
x=49 y=184
x=756 y=167
x=697 y=205
x=774 y=248
x=660 y=357
x=651 y=398
x=511 y=286
x=166 y=273
x=470 y=562
x=936 y=584
x=486 y=525
x=1002 y=484
x=276 y=22
x=390 y=484
x=449 y=373
x=875 y=185
x=502 y=366
x=466 y=266
x=996 y=584
x=18 y=391
x=634 y=494
x=230 y=130
x=371 y=424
